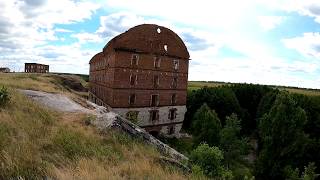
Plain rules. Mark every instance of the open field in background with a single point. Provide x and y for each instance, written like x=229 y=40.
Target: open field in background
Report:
x=36 y=142
x=194 y=85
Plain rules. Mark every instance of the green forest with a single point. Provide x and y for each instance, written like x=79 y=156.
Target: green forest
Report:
x=246 y=131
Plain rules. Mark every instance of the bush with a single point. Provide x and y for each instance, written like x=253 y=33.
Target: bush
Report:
x=4 y=96
x=209 y=159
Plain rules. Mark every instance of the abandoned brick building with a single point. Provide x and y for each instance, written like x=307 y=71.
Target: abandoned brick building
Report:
x=36 y=68
x=4 y=70
x=142 y=75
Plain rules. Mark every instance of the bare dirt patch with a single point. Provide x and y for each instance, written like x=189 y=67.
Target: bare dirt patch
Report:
x=55 y=101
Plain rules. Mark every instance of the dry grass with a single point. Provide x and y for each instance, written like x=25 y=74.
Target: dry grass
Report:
x=194 y=85
x=40 y=82
x=36 y=142
x=302 y=91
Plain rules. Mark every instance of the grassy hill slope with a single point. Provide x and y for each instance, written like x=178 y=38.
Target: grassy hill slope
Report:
x=36 y=142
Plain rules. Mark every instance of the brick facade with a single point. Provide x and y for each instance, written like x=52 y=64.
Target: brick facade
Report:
x=4 y=70
x=36 y=68
x=144 y=70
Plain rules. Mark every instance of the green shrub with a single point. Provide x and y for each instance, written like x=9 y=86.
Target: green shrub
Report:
x=209 y=159
x=4 y=96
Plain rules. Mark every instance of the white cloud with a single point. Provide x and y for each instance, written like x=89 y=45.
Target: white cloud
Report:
x=308 y=45
x=309 y=8
x=219 y=14
x=270 y=22
x=88 y=37
x=28 y=26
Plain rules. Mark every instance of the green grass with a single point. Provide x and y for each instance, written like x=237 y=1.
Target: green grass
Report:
x=195 y=85
x=36 y=142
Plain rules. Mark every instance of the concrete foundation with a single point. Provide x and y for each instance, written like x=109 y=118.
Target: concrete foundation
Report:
x=162 y=125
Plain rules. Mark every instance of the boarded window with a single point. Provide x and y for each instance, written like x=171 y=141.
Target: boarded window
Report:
x=154 y=100
x=175 y=64
x=172 y=114
x=132 y=99
x=157 y=62
x=154 y=115
x=134 y=59
x=155 y=81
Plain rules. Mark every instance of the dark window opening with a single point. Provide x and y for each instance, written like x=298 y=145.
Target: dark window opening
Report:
x=132 y=99
x=154 y=100
x=154 y=115
x=173 y=99
x=157 y=62
x=174 y=82
x=155 y=81
x=134 y=59
x=133 y=79
x=154 y=133
x=172 y=114
x=171 y=130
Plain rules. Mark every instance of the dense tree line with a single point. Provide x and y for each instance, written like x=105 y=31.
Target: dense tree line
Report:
x=286 y=127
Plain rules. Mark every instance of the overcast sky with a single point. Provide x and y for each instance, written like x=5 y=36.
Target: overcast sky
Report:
x=254 y=41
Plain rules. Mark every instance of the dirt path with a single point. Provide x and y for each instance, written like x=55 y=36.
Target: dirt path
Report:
x=55 y=101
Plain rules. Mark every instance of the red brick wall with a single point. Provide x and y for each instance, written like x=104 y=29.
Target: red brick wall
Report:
x=143 y=97
x=112 y=75
x=146 y=61
x=36 y=68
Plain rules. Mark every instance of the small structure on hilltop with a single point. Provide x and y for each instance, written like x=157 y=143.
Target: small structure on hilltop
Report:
x=142 y=75
x=4 y=70
x=36 y=68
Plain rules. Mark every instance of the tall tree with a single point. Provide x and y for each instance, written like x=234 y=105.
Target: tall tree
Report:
x=221 y=99
x=233 y=146
x=206 y=126
x=282 y=136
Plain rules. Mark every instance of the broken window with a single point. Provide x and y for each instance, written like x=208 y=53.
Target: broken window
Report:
x=173 y=99
x=155 y=81
x=154 y=115
x=154 y=100
x=175 y=82
x=172 y=114
x=175 y=64
x=157 y=62
x=134 y=59
x=132 y=99
x=133 y=79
